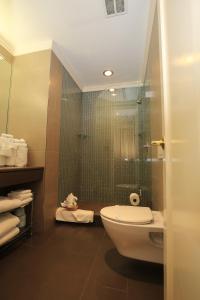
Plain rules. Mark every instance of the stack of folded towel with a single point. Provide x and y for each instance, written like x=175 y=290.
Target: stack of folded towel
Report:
x=19 y=198
x=25 y=196
x=13 y=152
x=8 y=227
x=77 y=216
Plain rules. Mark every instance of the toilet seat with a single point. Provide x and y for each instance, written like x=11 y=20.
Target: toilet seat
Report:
x=128 y=214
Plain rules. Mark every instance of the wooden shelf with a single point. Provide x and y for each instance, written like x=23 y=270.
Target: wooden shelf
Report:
x=15 y=176
x=25 y=232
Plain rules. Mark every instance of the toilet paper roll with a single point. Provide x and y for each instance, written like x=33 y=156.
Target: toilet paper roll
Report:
x=134 y=199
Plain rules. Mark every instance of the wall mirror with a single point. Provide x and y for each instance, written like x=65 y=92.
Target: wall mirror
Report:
x=5 y=82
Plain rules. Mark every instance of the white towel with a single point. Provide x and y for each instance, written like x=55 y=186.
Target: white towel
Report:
x=7 y=222
x=7 y=237
x=5 y=146
x=10 y=161
x=78 y=216
x=21 y=192
x=7 y=135
x=7 y=204
x=21 y=155
x=20 y=196
x=26 y=201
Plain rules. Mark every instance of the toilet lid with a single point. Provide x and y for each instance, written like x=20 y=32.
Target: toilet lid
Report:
x=128 y=214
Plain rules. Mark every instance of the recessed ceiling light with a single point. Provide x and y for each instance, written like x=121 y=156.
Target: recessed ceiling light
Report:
x=107 y=73
x=111 y=90
x=113 y=94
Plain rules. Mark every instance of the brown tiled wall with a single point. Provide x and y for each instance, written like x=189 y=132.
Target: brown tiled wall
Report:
x=153 y=84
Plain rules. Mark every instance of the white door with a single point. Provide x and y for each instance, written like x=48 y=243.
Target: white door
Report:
x=180 y=46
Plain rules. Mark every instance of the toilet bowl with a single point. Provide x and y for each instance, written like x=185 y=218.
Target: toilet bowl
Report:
x=137 y=232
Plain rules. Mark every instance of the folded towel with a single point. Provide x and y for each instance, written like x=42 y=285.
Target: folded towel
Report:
x=7 y=222
x=21 y=155
x=20 y=196
x=26 y=201
x=7 y=237
x=7 y=204
x=78 y=216
x=10 y=161
x=21 y=192
x=6 y=146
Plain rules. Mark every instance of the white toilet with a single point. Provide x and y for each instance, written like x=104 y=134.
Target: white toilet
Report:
x=136 y=231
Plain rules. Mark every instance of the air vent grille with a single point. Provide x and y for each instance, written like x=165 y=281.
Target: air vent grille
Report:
x=115 y=7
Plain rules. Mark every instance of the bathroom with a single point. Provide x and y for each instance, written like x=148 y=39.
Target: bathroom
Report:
x=99 y=149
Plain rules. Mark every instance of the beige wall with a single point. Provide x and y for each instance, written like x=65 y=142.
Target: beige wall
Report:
x=5 y=80
x=35 y=116
x=180 y=32
x=153 y=85
x=29 y=102
x=52 y=141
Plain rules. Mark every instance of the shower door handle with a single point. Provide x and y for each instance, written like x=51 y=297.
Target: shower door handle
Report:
x=158 y=143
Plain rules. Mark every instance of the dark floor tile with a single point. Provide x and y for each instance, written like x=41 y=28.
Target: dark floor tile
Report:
x=77 y=239
x=66 y=277
x=72 y=262
x=143 y=290
x=103 y=275
x=98 y=292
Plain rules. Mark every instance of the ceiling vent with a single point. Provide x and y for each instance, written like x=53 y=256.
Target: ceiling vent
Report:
x=115 y=7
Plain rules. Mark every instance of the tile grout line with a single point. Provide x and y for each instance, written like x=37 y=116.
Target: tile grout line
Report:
x=91 y=269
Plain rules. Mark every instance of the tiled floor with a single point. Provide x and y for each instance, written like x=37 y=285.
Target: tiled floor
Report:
x=76 y=262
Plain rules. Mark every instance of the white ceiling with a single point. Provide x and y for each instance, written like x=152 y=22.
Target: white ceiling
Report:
x=85 y=39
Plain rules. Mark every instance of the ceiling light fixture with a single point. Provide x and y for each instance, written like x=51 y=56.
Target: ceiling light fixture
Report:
x=107 y=73
x=114 y=94
x=112 y=90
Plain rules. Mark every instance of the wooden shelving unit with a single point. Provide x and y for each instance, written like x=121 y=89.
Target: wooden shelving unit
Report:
x=21 y=178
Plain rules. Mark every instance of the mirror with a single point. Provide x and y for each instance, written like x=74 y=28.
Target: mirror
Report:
x=5 y=81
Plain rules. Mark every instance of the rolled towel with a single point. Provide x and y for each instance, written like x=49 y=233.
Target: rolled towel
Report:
x=21 y=155
x=7 y=204
x=6 y=146
x=10 y=161
x=26 y=201
x=78 y=216
x=7 y=222
x=20 y=196
x=10 y=234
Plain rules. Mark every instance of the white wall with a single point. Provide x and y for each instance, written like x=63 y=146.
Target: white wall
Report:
x=180 y=37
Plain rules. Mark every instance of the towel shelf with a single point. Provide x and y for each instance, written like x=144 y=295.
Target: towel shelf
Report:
x=15 y=176
x=22 y=178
